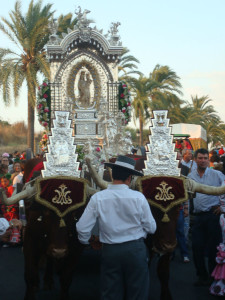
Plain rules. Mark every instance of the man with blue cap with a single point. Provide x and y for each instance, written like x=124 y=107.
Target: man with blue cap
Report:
x=124 y=219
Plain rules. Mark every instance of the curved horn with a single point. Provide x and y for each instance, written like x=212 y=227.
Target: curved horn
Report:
x=195 y=187
x=28 y=192
x=90 y=191
x=98 y=181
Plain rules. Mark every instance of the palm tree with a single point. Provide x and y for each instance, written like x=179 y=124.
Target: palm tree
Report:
x=202 y=111
x=141 y=88
x=215 y=131
x=127 y=65
x=168 y=87
x=29 y=33
x=64 y=22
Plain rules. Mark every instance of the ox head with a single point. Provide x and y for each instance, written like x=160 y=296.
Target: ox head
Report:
x=43 y=227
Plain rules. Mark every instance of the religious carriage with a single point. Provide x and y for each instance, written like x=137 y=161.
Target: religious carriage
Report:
x=85 y=111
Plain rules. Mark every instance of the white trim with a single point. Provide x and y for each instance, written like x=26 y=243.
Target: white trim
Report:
x=123 y=164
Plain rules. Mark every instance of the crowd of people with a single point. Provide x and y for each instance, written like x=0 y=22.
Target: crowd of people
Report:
x=203 y=214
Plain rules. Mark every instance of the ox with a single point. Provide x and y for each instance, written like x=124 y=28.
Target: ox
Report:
x=163 y=242
x=44 y=236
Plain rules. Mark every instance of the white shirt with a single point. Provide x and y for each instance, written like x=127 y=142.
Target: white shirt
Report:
x=203 y=202
x=4 y=225
x=123 y=215
x=18 y=179
x=191 y=164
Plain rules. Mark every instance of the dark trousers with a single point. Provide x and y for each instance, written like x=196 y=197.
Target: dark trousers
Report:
x=206 y=236
x=124 y=271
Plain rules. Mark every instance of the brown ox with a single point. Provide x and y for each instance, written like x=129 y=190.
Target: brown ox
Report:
x=44 y=237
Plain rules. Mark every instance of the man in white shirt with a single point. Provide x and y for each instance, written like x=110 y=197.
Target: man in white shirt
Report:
x=124 y=219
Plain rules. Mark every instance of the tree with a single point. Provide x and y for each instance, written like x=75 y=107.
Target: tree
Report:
x=168 y=87
x=201 y=110
x=29 y=33
x=65 y=22
x=127 y=65
x=215 y=131
x=141 y=88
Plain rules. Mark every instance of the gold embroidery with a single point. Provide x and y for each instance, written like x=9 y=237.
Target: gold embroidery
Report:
x=62 y=197
x=164 y=194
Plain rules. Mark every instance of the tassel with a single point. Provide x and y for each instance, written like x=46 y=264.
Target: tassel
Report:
x=165 y=218
x=62 y=223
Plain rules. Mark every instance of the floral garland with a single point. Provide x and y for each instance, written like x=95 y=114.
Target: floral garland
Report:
x=44 y=105
x=125 y=101
x=44 y=142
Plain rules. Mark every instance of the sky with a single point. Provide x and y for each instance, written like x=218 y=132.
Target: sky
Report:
x=187 y=36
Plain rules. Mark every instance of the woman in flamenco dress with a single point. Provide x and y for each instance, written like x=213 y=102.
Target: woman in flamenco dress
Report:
x=218 y=286
x=11 y=211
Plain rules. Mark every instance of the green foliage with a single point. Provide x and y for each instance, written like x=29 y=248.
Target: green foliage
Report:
x=80 y=152
x=64 y=22
x=127 y=65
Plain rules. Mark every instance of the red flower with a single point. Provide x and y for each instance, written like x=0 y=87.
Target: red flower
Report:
x=98 y=149
x=40 y=106
x=128 y=103
x=45 y=96
x=122 y=95
x=124 y=86
x=44 y=84
x=39 y=88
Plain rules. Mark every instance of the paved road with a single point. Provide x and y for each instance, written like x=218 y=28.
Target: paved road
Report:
x=85 y=284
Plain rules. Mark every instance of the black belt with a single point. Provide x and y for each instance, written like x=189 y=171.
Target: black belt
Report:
x=132 y=241
x=201 y=213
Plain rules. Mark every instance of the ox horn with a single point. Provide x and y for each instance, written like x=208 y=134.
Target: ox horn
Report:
x=90 y=191
x=98 y=181
x=28 y=192
x=195 y=187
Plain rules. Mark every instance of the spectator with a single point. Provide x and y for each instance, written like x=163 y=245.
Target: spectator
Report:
x=180 y=234
x=16 y=154
x=5 y=161
x=206 y=231
x=187 y=161
x=221 y=151
x=179 y=145
x=214 y=160
x=11 y=211
x=3 y=170
x=187 y=144
x=16 y=168
x=134 y=151
x=19 y=178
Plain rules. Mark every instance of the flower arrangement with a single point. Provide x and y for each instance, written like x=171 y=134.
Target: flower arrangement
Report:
x=124 y=101
x=80 y=152
x=44 y=141
x=44 y=105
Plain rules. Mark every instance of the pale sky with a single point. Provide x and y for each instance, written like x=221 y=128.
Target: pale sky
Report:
x=188 y=36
